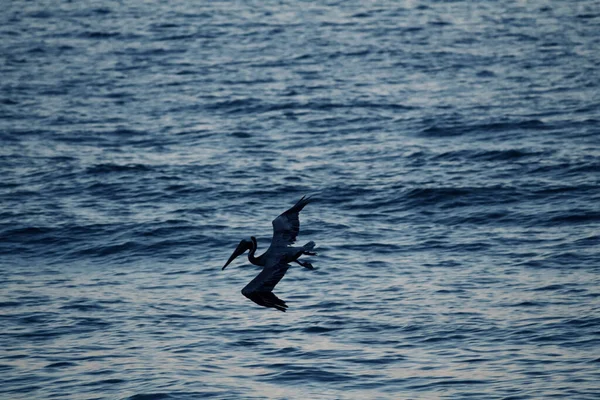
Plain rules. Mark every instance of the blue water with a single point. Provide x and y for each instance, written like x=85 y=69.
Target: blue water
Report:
x=453 y=149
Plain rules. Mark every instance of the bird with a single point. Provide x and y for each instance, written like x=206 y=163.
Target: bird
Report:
x=275 y=261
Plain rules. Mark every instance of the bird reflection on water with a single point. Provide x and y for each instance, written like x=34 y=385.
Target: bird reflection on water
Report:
x=275 y=261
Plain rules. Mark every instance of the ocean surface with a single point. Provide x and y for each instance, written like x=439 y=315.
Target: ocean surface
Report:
x=452 y=148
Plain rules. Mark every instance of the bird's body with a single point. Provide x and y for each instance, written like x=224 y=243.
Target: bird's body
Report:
x=275 y=261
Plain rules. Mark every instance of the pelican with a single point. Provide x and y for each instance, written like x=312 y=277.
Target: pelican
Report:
x=275 y=261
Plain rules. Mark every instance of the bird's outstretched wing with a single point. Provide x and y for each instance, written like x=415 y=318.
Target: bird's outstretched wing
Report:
x=287 y=225
x=260 y=289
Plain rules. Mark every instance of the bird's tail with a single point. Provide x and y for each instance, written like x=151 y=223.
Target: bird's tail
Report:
x=309 y=246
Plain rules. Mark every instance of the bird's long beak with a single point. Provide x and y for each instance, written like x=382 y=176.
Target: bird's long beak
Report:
x=242 y=247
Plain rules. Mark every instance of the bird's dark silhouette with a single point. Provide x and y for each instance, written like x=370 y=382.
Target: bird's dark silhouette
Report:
x=275 y=261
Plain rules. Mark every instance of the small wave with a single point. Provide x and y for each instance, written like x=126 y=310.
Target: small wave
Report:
x=382 y=248
x=150 y=396
x=102 y=382
x=452 y=382
x=42 y=14
x=573 y=217
x=549 y=288
x=489 y=155
x=61 y=364
x=107 y=250
x=477 y=218
x=457 y=130
x=257 y=106
x=25 y=232
x=178 y=395
x=486 y=74
x=591 y=322
x=529 y=304
x=319 y=329
x=82 y=306
x=452 y=197
x=377 y=361
x=110 y=168
x=100 y=35
x=4 y=304
x=309 y=375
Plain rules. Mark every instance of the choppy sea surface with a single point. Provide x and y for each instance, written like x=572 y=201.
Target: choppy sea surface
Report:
x=453 y=149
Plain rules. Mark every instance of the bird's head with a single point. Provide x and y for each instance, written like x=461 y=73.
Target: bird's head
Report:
x=244 y=245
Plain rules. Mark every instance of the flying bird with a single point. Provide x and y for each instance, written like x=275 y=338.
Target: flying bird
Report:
x=275 y=261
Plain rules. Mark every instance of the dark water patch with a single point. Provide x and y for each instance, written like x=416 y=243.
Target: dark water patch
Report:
x=529 y=304
x=549 y=288
x=42 y=335
x=441 y=131
x=491 y=155
x=93 y=323
x=476 y=360
x=255 y=105
x=36 y=318
x=61 y=364
x=241 y=135
x=285 y=351
x=246 y=343
x=381 y=247
x=567 y=190
x=591 y=240
x=110 y=168
x=377 y=264
x=5 y=367
x=59 y=282
x=567 y=259
x=324 y=305
x=438 y=385
x=7 y=304
x=587 y=16
x=102 y=10
x=24 y=389
x=103 y=382
x=575 y=217
x=460 y=196
x=379 y=361
x=590 y=322
x=553 y=338
x=8 y=102
x=125 y=132
x=178 y=229
x=100 y=372
x=182 y=272
x=296 y=375
x=486 y=74
x=100 y=35
x=451 y=291
x=16 y=356
x=110 y=250
x=479 y=218
x=26 y=232
x=42 y=14
x=437 y=339
x=319 y=329
x=179 y=395
x=150 y=396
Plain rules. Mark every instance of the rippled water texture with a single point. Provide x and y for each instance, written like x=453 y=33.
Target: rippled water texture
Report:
x=452 y=147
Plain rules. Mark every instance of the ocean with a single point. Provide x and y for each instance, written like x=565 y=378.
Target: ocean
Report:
x=452 y=149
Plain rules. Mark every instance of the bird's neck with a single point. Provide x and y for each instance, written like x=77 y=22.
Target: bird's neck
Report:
x=251 y=257
x=252 y=252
